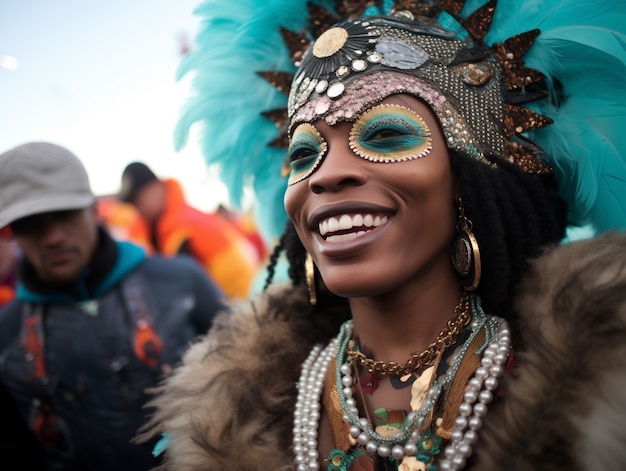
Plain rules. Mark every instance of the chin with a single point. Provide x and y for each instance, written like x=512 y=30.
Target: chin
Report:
x=354 y=290
x=359 y=282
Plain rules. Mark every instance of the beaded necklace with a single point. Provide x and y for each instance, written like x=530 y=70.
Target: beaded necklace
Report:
x=478 y=395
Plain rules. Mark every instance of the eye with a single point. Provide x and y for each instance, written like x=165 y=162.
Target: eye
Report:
x=390 y=133
x=301 y=151
x=384 y=133
x=306 y=150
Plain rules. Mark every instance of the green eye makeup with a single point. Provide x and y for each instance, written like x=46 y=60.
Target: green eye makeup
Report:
x=384 y=133
x=390 y=133
x=306 y=151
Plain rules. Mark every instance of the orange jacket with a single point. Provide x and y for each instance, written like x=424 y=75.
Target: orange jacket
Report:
x=228 y=257
x=124 y=222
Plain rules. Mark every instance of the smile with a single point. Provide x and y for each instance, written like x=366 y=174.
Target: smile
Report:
x=348 y=227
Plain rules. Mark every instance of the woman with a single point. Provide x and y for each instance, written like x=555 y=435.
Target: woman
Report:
x=419 y=330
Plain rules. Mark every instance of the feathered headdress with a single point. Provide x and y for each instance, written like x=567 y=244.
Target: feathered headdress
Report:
x=562 y=64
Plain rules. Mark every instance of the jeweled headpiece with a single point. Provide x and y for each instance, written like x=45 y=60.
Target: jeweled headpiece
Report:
x=475 y=96
x=538 y=83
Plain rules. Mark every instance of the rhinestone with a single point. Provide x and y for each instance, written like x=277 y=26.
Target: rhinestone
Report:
x=359 y=65
x=321 y=86
x=342 y=71
x=335 y=90
x=321 y=107
x=375 y=57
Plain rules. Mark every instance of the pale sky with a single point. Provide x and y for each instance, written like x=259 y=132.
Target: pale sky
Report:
x=99 y=78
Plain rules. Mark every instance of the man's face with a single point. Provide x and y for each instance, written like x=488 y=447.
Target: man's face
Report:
x=58 y=244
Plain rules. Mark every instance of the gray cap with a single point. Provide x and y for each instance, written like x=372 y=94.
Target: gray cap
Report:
x=40 y=177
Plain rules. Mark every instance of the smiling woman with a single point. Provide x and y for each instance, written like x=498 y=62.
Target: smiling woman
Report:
x=434 y=309
x=403 y=183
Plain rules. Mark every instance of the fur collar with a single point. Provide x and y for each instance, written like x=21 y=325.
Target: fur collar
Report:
x=231 y=403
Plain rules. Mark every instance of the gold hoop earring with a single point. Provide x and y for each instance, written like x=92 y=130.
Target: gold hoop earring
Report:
x=466 y=252
x=309 y=268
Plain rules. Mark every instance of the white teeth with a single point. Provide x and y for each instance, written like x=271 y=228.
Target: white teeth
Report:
x=347 y=222
x=333 y=225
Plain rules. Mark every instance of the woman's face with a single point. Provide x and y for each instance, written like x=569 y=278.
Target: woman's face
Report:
x=372 y=226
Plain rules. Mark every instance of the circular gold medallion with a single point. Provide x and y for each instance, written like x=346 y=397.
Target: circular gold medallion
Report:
x=330 y=42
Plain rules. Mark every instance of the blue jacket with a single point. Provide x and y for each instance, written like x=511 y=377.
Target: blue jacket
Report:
x=89 y=404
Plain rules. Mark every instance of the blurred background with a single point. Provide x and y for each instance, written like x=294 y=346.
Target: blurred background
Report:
x=99 y=78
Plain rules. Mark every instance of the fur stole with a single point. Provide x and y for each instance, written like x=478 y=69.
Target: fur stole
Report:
x=230 y=405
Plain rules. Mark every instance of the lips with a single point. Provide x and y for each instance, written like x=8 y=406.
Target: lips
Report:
x=60 y=256
x=346 y=227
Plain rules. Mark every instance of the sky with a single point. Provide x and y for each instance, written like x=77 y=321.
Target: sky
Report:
x=99 y=78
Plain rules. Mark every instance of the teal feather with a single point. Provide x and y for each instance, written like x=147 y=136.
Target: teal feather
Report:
x=236 y=39
x=582 y=45
x=161 y=445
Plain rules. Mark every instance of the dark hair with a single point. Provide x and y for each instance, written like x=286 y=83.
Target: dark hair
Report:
x=514 y=216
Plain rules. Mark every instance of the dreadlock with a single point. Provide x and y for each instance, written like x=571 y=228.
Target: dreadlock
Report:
x=514 y=215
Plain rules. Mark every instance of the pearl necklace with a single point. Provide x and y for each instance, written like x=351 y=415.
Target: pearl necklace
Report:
x=404 y=443
x=308 y=406
x=478 y=394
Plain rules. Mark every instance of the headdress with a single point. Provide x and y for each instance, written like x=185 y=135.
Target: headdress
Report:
x=538 y=83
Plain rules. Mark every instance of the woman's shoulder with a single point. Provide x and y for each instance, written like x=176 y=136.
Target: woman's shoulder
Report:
x=567 y=398
x=582 y=282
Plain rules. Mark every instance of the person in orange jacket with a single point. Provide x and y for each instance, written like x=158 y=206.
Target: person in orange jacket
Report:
x=175 y=227
x=123 y=221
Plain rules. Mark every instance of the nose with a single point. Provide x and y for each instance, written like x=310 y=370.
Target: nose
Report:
x=52 y=231
x=340 y=168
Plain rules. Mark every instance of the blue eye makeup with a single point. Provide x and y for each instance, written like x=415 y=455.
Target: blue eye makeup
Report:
x=306 y=150
x=390 y=133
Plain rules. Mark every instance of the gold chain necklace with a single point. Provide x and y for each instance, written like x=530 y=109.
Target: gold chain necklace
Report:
x=419 y=361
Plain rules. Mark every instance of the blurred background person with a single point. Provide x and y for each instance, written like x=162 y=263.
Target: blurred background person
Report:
x=95 y=322
x=123 y=221
x=174 y=227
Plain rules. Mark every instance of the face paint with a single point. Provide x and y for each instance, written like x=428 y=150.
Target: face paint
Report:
x=390 y=133
x=306 y=151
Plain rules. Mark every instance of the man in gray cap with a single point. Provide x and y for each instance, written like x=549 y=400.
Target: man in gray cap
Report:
x=93 y=324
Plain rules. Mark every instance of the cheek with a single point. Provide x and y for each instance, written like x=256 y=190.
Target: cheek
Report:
x=294 y=199
x=426 y=178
